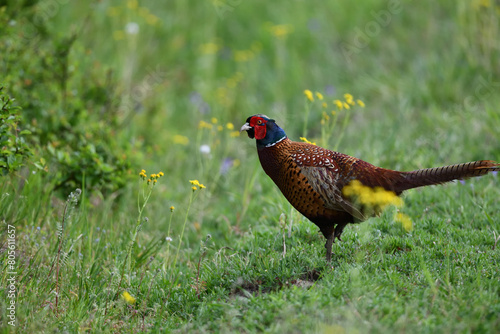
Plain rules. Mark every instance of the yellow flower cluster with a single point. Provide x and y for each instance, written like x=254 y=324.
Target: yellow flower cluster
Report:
x=128 y=298
x=243 y=55
x=152 y=178
x=478 y=4
x=280 y=30
x=204 y=125
x=210 y=48
x=196 y=183
x=304 y=139
x=181 y=140
x=376 y=199
x=214 y=125
x=404 y=220
x=325 y=116
x=309 y=95
x=373 y=198
x=349 y=101
x=247 y=54
x=224 y=94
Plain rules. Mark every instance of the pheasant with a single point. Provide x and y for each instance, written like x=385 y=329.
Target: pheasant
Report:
x=312 y=178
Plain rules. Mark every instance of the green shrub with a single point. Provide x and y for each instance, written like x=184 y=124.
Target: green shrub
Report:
x=14 y=150
x=70 y=104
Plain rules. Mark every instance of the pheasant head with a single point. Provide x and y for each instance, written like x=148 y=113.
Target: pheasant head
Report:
x=264 y=130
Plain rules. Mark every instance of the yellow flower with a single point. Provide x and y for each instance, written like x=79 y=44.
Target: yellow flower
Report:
x=234 y=134
x=180 y=139
x=374 y=198
x=339 y=104
x=154 y=181
x=231 y=83
x=160 y=174
x=132 y=4
x=243 y=55
x=128 y=298
x=113 y=11
x=149 y=181
x=152 y=19
x=213 y=120
x=346 y=105
x=304 y=139
x=195 y=182
x=209 y=48
x=204 y=125
x=325 y=105
x=482 y=3
x=319 y=96
x=348 y=97
x=405 y=221
x=360 y=103
x=118 y=35
x=153 y=176
x=172 y=208
x=229 y=126
x=220 y=128
x=281 y=30
x=325 y=116
x=309 y=95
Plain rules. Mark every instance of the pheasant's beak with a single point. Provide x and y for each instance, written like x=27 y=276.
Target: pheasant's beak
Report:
x=246 y=127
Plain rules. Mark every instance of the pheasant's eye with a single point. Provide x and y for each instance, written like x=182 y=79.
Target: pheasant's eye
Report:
x=259 y=122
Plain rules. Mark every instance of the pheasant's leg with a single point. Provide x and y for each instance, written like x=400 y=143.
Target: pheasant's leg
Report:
x=328 y=246
x=338 y=231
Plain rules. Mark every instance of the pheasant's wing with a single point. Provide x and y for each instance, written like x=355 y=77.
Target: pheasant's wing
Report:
x=326 y=182
x=322 y=171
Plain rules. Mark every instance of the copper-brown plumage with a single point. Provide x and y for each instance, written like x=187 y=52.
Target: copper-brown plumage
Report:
x=312 y=178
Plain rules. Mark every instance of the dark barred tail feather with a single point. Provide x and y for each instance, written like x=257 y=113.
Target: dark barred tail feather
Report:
x=430 y=176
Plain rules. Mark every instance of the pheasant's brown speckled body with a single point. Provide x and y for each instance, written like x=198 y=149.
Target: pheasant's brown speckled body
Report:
x=286 y=164
x=312 y=178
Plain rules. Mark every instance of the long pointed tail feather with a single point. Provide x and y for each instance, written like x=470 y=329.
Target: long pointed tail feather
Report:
x=430 y=176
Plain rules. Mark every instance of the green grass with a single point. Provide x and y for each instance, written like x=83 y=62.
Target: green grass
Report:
x=429 y=79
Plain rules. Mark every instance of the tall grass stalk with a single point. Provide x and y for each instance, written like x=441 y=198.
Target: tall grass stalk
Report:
x=184 y=225
x=70 y=204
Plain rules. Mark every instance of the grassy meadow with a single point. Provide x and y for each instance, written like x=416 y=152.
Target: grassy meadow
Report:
x=107 y=89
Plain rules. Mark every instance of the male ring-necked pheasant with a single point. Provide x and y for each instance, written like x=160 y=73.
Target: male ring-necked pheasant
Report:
x=312 y=178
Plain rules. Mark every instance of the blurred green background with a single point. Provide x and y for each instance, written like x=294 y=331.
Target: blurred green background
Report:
x=149 y=73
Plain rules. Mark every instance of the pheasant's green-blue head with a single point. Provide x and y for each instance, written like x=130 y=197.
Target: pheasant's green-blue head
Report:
x=264 y=130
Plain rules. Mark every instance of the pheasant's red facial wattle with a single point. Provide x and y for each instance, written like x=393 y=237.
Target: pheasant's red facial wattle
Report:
x=259 y=126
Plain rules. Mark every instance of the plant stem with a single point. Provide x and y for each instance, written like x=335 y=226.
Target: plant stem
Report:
x=183 y=227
